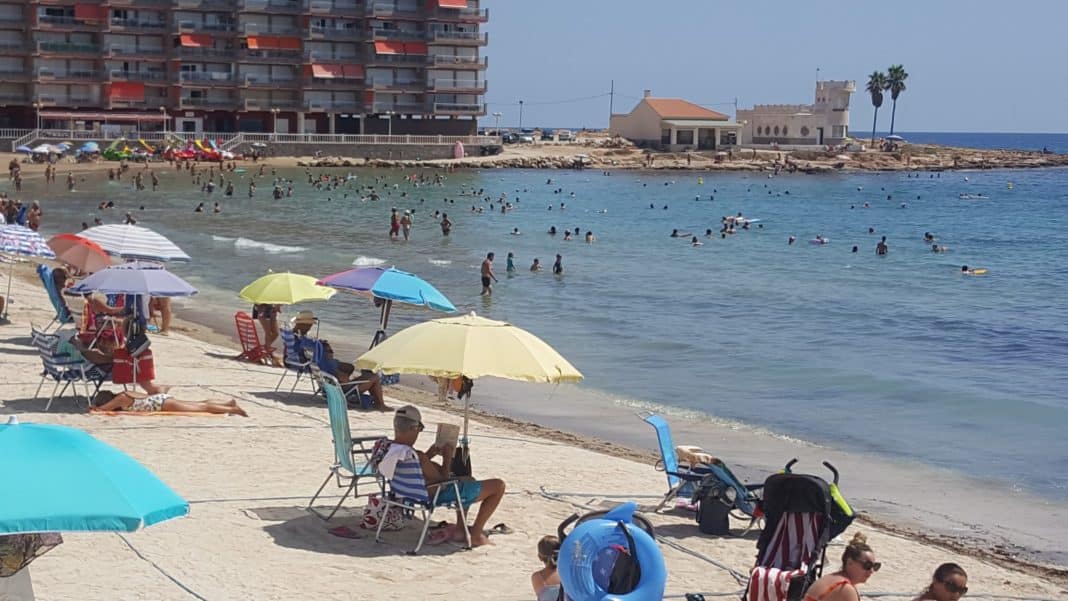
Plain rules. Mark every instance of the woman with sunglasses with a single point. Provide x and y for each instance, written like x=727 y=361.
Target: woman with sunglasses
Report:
x=858 y=564
x=949 y=583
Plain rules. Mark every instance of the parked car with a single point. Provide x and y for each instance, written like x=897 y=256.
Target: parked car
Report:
x=565 y=135
x=547 y=135
x=510 y=138
x=526 y=138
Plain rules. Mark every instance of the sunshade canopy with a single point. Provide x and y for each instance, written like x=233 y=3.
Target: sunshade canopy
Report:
x=81 y=253
x=134 y=242
x=390 y=284
x=469 y=346
x=60 y=479
x=135 y=278
x=19 y=240
x=285 y=289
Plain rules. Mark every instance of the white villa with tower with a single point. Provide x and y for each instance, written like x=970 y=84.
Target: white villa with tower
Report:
x=824 y=123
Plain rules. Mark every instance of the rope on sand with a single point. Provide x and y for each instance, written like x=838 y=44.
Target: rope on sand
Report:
x=159 y=569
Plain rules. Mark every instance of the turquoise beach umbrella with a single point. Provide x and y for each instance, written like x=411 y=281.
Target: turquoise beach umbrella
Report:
x=59 y=479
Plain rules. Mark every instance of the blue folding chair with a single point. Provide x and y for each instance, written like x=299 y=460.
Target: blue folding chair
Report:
x=683 y=481
x=63 y=314
x=351 y=455
x=294 y=359
x=408 y=491
x=66 y=367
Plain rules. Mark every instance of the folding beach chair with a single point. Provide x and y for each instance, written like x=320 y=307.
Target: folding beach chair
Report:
x=63 y=314
x=66 y=367
x=351 y=455
x=251 y=349
x=295 y=360
x=408 y=491
x=683 y=482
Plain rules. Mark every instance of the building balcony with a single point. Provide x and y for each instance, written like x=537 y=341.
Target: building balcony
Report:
x=378 y=33
x=72 y=101
x=9 y=48
x=12 y=23
x=9 y=74
x=68 y=48
x=137 y=25
x=416 y=60
x=258 y=29
x=459 y=38
x=136 y=3
x=389 y=9
x=50 y=75
x=333 y=33
x=333 y=83
x=271 y=55
x=223 y=5
x=206 y=78
x=127 y=103
x=258 y=81
x=459 y=62
x=458 y=86
x=149 y=77
x=459 y=108
x=398 y=87
x=220 y=103
x=333 y=106
x=462 y=15
x=337 y=8
x=131 y=52
x=194 y=52
x=380 y=108
x=330 y=57
x=57 y=23
x=216 y=29
x=266 y=104
x=7 y=98
x=270 y=6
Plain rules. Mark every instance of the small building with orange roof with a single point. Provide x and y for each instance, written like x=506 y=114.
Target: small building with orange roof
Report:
x=674 y=124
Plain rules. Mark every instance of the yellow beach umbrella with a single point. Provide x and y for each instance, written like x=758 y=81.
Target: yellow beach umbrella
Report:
x=285 y=289
x=469 y=346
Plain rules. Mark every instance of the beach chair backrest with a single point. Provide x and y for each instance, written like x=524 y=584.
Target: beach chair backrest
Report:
x=337 y=408
x=62 y=313
x=667 y=447
x=408 y=482
x=289 y=345
x=246 y=331
x=55 y=363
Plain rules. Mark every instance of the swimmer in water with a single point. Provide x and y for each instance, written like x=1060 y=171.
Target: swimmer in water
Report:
x=674 y=233
x=552 y=230
x=590 y=237
x=696 y=242
x=516 y=232
x=536 y=265
x=510 y=265
x=789 y=242
x=855 y=248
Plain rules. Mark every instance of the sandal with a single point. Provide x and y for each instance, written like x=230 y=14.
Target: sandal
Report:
x=441 y=535
x=501 y=528
x=345 y=532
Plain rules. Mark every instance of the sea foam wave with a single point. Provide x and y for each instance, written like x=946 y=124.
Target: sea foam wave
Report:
x=267 y=247
x=440 y=262
x=362 y=261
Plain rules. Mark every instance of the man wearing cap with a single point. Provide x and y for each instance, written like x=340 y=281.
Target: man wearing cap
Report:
x=407 y=424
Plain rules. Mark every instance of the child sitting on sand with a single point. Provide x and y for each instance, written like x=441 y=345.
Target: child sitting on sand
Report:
x=546 y=581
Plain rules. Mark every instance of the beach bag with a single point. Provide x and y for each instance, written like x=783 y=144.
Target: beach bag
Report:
x=620 y=564
x=126 y=369
x=376 y=511
x=461 y=463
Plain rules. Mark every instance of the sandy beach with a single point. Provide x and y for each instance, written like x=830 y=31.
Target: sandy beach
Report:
x=248 y=481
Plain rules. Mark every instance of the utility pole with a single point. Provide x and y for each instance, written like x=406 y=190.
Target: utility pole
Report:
x=611 y=100
x=520 y=116
x=735 y=108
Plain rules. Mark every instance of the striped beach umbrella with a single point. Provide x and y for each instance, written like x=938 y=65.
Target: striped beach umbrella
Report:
x=23 y=242
x=134 y=242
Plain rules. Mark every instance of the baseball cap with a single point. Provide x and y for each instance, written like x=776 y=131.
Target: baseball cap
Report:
x=410 y=412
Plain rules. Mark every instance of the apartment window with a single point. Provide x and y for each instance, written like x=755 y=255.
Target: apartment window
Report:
x=665 y=136
x=776 y=130
x=684 y=136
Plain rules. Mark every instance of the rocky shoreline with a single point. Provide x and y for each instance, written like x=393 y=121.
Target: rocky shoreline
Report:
x=616 y=155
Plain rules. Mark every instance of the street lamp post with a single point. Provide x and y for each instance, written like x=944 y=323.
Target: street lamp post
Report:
x=497 y=124
x=389 y=116
x=163 y=111
x=521 y=116
x=37 y=114
x=274 y=124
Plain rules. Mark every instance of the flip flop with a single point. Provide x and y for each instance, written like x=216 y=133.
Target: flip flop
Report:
x=501 y=528
x=345 y=532
x=441 y=535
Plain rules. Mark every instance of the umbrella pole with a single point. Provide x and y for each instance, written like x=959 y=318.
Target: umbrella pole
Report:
x=383 y=320
x=7 y=297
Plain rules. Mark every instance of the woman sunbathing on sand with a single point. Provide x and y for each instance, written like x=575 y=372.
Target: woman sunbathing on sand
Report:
x=858 y=564
x=136 y=402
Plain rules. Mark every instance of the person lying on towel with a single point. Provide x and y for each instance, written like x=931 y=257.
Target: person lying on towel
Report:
x=135 y=402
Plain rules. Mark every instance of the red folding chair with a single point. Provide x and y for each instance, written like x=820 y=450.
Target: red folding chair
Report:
x=252 y=350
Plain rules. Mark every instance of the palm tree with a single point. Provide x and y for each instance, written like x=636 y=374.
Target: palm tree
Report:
x=895 y=82
x=876 y=85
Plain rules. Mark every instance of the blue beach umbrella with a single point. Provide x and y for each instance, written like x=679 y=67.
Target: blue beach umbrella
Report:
x=60 y=479
x=24 y=149
x=389 y=285
x=139 y=277
x=90 y=147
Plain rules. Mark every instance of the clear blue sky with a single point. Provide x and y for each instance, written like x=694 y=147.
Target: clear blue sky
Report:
x=973 y=65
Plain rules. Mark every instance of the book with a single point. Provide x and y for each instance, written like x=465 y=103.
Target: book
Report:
x=448 y=435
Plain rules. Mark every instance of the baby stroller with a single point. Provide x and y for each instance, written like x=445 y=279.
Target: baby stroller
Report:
x=802 y=514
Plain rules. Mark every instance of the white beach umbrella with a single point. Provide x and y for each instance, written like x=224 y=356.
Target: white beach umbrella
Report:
x=21 y=241
x=134 y=242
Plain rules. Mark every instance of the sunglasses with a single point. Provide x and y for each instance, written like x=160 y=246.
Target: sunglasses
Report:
x=870 y=566
x=954 y=588
x=421 y=427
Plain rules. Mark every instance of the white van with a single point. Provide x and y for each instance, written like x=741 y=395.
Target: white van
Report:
x=565 y=135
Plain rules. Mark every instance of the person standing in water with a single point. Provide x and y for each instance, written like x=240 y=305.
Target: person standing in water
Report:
x=510 y=267
x=487 y=275
x=881 y=248
x=446 y=224
x=558 y=265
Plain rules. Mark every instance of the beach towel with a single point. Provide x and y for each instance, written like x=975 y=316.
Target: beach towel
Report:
x=153 y=413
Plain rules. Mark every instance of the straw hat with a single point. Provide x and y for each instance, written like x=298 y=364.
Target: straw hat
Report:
x=303 y=318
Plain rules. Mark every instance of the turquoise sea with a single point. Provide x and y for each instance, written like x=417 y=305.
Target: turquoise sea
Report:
x=898 y=355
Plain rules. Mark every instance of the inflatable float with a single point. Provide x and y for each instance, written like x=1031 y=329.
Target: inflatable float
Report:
x=596 y=547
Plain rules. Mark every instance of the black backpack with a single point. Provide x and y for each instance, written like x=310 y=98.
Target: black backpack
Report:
x=626 y=572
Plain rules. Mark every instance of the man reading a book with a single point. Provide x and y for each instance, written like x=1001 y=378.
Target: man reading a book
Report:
x=407 y=424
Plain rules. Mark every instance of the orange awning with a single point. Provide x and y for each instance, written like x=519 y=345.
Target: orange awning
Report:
x=452 y=3
x=270 y=42
x=196 y=40
x=90 y=12
x=328 y=71
x=392 y=47
x=353 y=71
x=127 y=90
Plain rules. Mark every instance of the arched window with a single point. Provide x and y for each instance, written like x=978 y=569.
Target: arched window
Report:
x=804 y=131
x=785 y=131
x=776 y=130
x=760 y=130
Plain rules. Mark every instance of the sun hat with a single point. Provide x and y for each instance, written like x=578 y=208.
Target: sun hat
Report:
x=304 y=317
